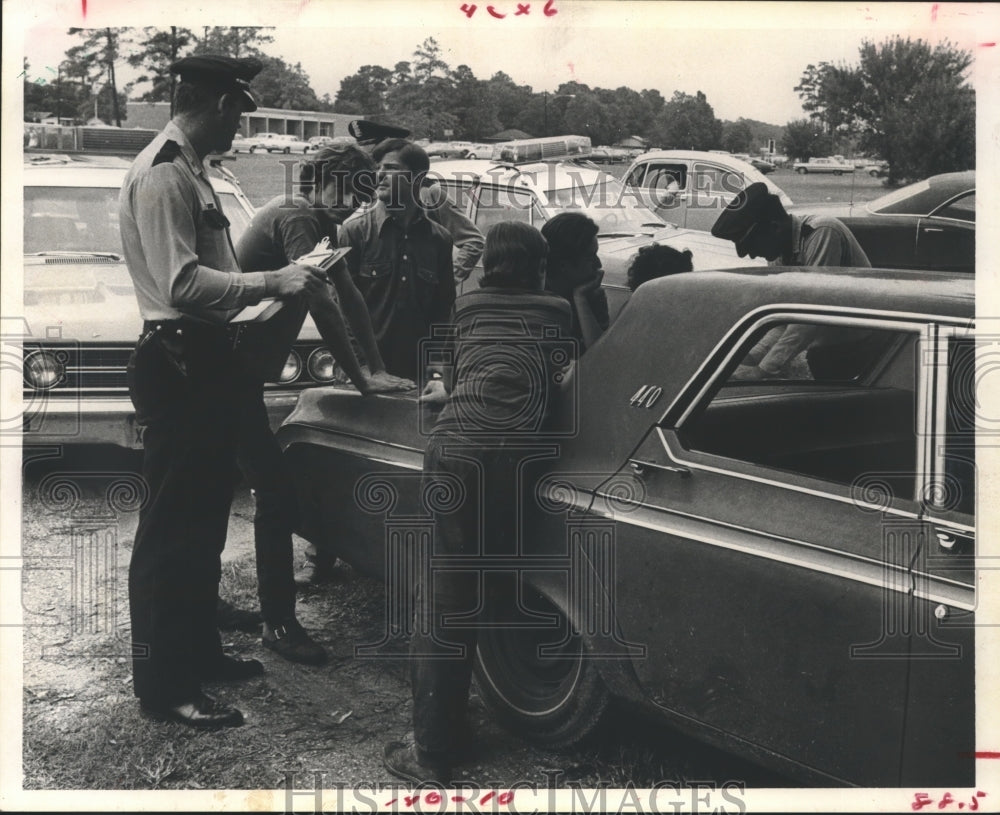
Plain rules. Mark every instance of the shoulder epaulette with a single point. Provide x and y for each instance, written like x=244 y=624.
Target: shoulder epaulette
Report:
x=168 y=153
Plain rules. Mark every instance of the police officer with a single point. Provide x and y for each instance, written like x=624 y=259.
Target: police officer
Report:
x=181 y=376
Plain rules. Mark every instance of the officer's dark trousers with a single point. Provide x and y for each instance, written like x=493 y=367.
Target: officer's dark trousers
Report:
x=482 y=522
x=188 y=466
x=276 y=508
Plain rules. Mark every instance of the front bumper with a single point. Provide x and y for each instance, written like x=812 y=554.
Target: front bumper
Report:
x=50 y=419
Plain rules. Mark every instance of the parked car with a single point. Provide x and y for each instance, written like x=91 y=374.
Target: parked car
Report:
x=81 y=318
x=927 y=225
x=448 y=150
x=690 y=188
x=762 y=164
x=533 y=192
x=837 y=166
x=277 y=143
x=479 y=150
x=876 y=169
x=783 y=568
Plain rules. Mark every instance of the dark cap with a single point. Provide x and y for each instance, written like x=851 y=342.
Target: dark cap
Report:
x=225 y=73
x=368 y=133
x=753 y=205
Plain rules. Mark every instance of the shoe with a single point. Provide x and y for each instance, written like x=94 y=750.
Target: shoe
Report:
x=293 y=642
x=204 y=713
x=314 y=573
x=403 y=762
x=228 y=669
x=230 y=618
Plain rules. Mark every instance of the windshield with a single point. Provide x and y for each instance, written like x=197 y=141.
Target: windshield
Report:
x=615 y=209
x=85 y=219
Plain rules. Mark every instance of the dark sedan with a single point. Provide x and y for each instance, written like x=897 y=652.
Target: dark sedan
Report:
x=783 y=567
x=927 y=225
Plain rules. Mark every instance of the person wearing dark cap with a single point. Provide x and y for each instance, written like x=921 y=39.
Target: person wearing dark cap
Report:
x=757 y=223
x=289 y=227
x=182 y=376
x=465 y=237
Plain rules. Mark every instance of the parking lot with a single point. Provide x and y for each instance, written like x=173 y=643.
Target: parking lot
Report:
x=264 y=175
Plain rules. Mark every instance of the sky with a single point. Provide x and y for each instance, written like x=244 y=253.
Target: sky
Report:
x=746 y=57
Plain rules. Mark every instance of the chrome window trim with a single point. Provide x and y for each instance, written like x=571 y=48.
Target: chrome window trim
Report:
x=771 y=482
x=872 y=572
x=762 y=315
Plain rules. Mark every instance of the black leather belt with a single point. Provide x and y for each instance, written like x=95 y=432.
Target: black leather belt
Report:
x=194 y=328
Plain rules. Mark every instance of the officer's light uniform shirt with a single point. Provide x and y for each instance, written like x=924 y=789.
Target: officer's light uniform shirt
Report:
x=176 y=239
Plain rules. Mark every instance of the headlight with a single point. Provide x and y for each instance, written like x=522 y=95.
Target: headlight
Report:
x=292 y=369
x=44 y=369
x=322 y=366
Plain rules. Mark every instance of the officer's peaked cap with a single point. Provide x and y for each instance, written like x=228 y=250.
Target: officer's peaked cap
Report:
x=368 y=133
x=225 y=73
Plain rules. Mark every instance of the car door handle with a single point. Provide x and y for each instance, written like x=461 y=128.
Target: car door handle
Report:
x=642 y=467
x=932 y=229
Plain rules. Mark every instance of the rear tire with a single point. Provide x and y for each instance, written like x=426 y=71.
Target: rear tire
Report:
x=801 y=170
x=551 y=700
x=838 y=172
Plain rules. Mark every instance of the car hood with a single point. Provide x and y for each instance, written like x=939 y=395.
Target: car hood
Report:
x=707 y=252
x=88 y=299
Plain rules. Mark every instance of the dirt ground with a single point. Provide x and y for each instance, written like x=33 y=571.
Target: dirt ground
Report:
x=81 y=723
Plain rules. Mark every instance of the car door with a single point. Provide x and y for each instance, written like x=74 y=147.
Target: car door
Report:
x=946 y=239
x=769 y=562
x=941 y=704
x=663 y=186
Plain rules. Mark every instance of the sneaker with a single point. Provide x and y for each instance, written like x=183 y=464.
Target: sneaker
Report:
x=314 y=573
x=230 y=618
x=403 y=762
x=293 y=642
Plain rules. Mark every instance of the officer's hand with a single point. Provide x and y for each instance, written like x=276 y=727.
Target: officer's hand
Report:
x=434 y=394
x=298 y=279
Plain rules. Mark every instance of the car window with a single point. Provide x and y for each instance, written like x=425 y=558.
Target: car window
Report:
x=459 y=195
x=710 y=178
x=496 y=204
x=71 y=219
x=961 y=209
x=915 y=199
x=844 y=408
x=667 y=177
x=635 y=177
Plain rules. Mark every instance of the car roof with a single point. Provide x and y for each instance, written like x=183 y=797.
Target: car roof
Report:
x=89 y=171
x=898 y=290
x=691 y=154
x=963 y=180
x=543 y=175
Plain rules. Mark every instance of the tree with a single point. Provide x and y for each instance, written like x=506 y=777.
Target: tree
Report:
x=233 y=41
x=737 y=137
x=364 y=93
x=95 y=58
x=280 y=85
x=830 y=94
x=688 y=122
x=908 y=100
x=427 y=61
x=157 y=52
x=804 y=138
